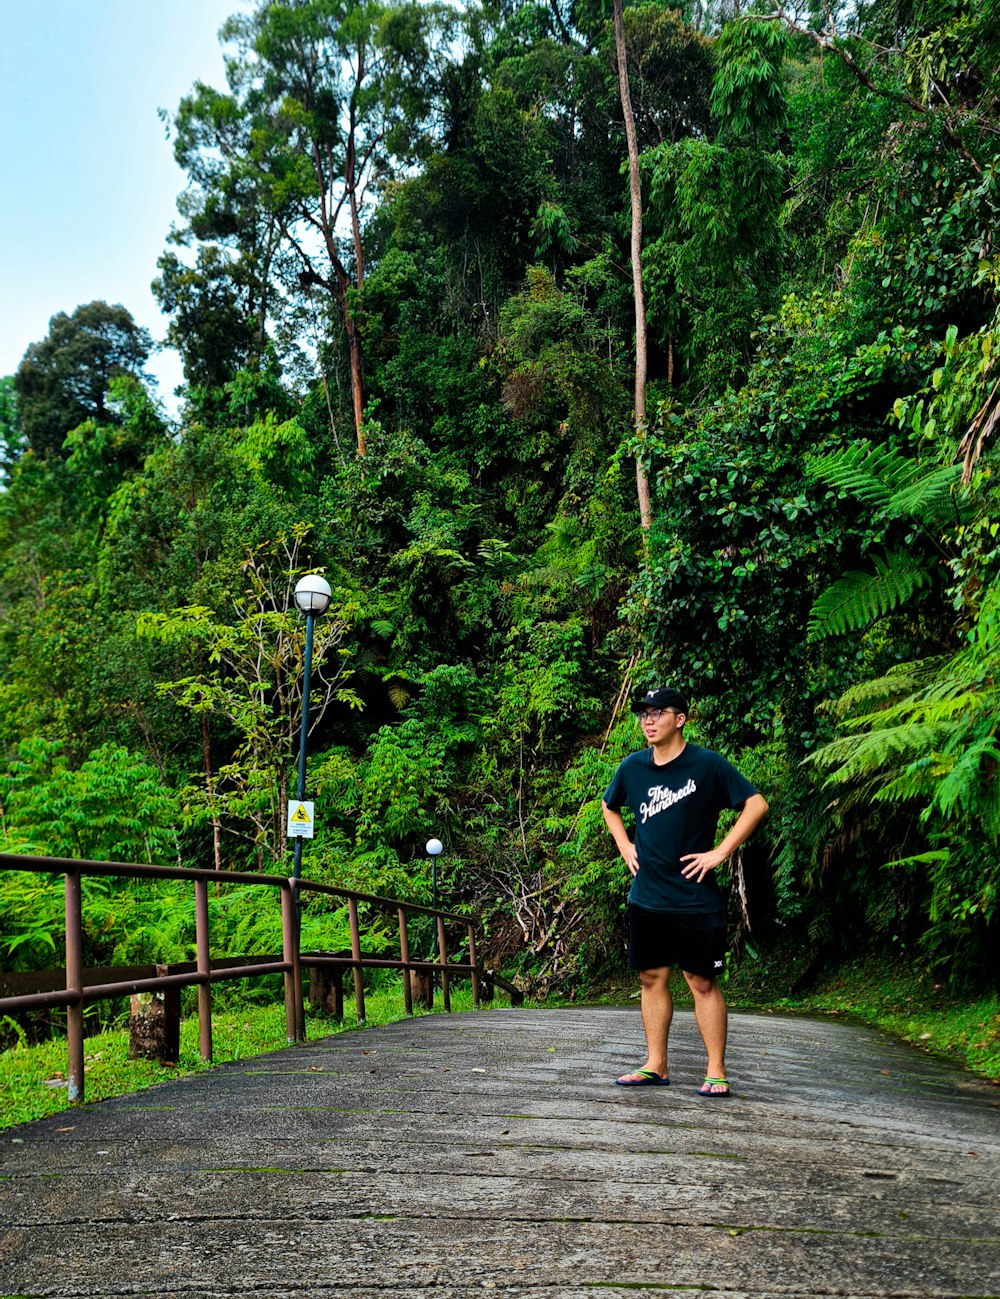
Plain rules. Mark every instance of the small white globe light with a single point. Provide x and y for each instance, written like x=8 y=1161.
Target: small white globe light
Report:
x=434 y=846
x=312 y=594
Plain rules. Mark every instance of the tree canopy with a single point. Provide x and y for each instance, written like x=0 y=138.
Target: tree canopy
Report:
x=66 y=378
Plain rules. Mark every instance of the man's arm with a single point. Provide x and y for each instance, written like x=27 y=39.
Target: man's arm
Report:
x=626 y=847
x=700 y=863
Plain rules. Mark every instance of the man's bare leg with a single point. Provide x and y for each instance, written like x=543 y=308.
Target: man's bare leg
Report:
x=712 y=1018
x=657 y=1012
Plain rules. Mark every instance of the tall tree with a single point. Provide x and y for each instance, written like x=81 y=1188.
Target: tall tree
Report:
x=219 y=310
x=323 y=94
x=66 y=378
x=635 y=199
x=712 y=259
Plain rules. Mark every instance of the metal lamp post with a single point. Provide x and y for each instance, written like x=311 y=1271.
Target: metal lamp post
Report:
x=434 y=849
x=312 y=598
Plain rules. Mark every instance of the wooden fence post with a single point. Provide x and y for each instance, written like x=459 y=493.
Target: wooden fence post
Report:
x=443 y=950
x=476 y=992
x=359 y=977
x=74 y=984
x=204 y=969
x=404 y=956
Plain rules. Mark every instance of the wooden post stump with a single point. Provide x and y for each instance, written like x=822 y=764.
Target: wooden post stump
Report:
x=326 y=989
x=422 y=988
x=154 y=1025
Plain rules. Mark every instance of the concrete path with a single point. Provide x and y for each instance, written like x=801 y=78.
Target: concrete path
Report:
x=488 y=1154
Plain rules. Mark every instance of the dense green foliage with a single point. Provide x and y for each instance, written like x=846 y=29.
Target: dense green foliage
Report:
x=400 y=285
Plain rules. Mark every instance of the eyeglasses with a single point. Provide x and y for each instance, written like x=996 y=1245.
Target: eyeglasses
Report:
x=654 y=714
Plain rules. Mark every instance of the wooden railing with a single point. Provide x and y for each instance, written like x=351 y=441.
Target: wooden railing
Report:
x=77 y=993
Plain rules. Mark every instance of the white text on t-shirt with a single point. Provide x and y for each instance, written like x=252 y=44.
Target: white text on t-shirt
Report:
x=660 y=798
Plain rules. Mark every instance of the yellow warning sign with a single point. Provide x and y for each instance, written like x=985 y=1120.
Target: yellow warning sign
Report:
x=300 y=820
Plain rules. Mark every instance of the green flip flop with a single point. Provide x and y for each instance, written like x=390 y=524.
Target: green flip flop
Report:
x=706 y=1092
x=646 y=1078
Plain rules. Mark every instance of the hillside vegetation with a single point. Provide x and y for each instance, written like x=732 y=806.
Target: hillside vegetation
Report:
x=401 y=285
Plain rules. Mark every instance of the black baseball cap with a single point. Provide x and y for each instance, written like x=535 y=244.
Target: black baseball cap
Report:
x=661 y=697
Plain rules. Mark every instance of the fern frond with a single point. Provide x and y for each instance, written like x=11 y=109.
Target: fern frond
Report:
x=916 y=781
x=902 y=680
x=937 y=858
x=400 y=696
x=939 y=714
x=858 y=756
x=929 y=497
x=966 y=789
x=857 y=599
x=927 y=733
x=857 y=808
x=869 y=474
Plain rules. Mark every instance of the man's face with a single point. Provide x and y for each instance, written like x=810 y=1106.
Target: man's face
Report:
x=659 y=723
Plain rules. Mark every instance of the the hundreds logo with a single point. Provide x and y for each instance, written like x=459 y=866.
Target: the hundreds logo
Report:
x=659 y=798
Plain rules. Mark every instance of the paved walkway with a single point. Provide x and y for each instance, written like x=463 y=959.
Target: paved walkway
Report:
x=487 y=1154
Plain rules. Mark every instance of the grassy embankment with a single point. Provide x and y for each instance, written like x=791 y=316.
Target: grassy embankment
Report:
x=902 y=1000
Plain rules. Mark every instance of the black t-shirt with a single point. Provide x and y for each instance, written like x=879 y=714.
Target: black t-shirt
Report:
x=676 y=808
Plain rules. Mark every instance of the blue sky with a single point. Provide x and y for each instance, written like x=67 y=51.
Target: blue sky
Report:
x=89 y=184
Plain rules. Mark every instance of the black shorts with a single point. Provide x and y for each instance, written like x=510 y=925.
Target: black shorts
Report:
x=697 y=943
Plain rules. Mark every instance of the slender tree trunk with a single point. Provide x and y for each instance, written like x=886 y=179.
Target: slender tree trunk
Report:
x=341 y=290
x=341 y=284
x=206 y=751
x=357 y=380
x=635 y=193
x=329 y=405
x=351 y=178
x=351 y=189
x=281 y=824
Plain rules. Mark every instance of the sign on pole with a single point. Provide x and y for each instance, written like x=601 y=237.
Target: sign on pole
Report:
x=300 y=820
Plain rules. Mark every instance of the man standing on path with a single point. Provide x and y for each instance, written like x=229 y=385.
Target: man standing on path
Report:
x=677 y=914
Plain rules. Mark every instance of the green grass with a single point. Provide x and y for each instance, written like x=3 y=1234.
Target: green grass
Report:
x=901 y=997
x=911 y=1004
x=33 y=1077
